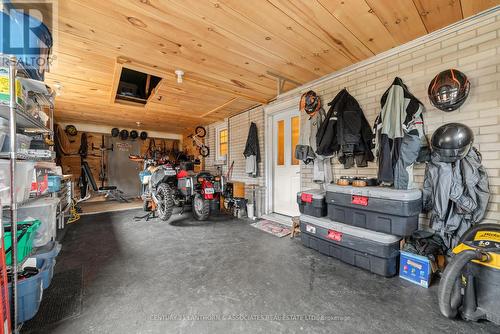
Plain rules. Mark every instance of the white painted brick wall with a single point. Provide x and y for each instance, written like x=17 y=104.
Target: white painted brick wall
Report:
x=474 y=49
x=238 y=132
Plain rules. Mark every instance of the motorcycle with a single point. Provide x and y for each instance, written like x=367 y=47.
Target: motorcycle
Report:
x=159 y=188
x=201 y=190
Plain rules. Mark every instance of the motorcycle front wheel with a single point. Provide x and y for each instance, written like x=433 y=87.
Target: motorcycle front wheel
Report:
x=201 y=208
x=165 y=201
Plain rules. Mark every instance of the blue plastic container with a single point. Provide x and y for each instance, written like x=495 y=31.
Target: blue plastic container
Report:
x=29 y=294
x=47 y=253
x=54 y=183
x=415 y=268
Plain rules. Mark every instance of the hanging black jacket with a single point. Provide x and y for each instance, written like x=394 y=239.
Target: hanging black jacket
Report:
x=345 y=132
x=252 y=151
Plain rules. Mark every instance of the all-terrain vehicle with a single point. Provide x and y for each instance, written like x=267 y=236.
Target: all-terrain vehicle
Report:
x=200 y=190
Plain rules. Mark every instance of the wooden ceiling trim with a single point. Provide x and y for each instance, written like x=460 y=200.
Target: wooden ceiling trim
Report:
x=360 y=20
x=401 y=18
x=437 y=14
x=222 y=106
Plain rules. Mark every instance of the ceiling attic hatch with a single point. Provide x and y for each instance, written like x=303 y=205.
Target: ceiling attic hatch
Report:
x=135 y=87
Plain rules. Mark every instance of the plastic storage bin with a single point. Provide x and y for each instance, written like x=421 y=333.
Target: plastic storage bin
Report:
x=29 y=294
x=44 y=210
x=375 y=208
x=49 y=253
x=4 y=131
x=54 y=183
x=373 y=251
x=24 y=176
x=312 y=202
x=23 y=143
x=25 y=234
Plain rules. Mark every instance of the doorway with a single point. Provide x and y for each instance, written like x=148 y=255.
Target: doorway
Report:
x=286 y=169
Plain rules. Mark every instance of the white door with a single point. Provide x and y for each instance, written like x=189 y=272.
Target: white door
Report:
x=286 y=169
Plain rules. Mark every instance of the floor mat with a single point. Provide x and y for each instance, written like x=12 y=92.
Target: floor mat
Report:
x=272 y=228
x=62 y=300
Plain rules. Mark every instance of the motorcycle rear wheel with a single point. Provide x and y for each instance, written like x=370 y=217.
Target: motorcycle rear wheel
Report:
x=165 y=201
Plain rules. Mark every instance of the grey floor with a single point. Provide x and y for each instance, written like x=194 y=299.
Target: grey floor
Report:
x=151 y=277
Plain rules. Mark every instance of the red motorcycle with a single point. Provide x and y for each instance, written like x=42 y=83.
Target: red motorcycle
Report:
x=201 y=190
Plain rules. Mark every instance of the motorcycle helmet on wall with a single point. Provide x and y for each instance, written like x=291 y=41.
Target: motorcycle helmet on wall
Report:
x=124 y=135
x=115 y=132
x=134 y=134
x=310 y=103
x=451 y=142
x=449 y=90
x=71 y=130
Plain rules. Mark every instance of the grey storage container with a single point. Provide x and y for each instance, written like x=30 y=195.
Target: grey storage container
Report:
x=312 y=202
x=375 y=208
x=373 y=251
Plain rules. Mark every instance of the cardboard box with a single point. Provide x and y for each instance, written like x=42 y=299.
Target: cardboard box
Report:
x=415 y=268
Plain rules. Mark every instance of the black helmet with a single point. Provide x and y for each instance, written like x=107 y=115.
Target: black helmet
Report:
x=115 y=132
x=310 y=103
x=449 y=90
x=143 y=135
x=134 y=134
x=123 y=135
x=451 y=142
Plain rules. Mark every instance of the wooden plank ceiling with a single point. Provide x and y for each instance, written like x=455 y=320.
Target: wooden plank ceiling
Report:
x=227 y=49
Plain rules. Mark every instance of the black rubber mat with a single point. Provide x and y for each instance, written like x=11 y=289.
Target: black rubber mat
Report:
x=62 y=300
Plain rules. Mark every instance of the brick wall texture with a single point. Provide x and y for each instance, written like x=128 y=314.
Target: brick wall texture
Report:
x=238 y=132
x=474 y=49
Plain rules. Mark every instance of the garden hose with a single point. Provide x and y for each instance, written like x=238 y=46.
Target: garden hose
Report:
x=74 y=216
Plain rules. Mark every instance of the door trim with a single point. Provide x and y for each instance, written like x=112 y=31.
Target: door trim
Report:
x=269 y=112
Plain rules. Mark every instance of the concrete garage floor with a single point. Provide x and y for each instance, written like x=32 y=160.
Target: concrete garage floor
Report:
x=137 y=274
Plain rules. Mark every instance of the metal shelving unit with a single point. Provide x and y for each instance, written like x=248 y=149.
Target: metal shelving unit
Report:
x=19 y=119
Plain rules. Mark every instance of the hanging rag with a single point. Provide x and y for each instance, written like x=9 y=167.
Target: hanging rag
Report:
x=252 y=151
x=400 y=139
x=456 y=194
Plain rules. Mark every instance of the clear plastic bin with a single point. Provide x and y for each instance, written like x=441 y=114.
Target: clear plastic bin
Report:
x=45 y=210
x=24 y=176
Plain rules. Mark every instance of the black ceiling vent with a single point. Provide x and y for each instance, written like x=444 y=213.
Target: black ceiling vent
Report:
x=135 y=86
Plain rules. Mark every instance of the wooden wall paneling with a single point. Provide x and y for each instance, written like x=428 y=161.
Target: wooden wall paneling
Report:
x=271 y=18
x=360 y=20
x=240 y=28
x=471 y=7
x=400 y=17
x=438 y=13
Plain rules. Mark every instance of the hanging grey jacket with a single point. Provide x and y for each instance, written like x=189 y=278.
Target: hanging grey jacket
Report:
x=400 y=139
x=306 y=147
x=456 y=196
